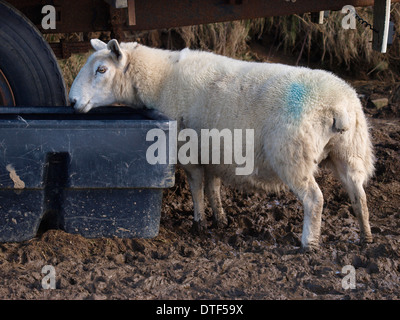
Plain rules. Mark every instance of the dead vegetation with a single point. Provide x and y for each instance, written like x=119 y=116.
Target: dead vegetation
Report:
x=326 y=46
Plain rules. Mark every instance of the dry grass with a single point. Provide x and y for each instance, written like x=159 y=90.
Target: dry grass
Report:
x=229 y=38
x=328 y=45
x=70 y=67
x=226 y=38
x=335 y=47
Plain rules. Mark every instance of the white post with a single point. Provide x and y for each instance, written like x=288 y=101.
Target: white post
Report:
x=381 y=24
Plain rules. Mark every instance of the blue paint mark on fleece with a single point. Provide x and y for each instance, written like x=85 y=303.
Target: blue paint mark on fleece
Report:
x=295 y=99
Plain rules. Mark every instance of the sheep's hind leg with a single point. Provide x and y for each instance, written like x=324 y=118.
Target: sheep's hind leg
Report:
x=195 y=175
x=359 y=204
x=213 y=192
x=311 y=196
x=353 y=179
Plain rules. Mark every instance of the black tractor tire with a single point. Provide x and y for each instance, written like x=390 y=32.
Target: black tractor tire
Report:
x=28 y=63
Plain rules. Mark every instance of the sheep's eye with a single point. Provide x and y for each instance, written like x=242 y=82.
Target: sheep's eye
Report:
x=101 y=69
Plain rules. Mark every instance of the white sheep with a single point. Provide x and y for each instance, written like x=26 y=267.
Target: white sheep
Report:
x=301 y=118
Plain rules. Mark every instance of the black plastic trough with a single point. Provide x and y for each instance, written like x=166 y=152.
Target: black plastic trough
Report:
x=85 y=174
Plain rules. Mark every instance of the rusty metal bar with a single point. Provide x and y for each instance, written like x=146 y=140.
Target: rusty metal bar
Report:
x=76 y=16
x=94 y=15
x=158 y=14
x=64 y=49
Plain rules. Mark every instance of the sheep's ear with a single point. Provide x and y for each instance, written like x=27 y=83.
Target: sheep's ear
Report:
x=98 y=44
x=113 y=46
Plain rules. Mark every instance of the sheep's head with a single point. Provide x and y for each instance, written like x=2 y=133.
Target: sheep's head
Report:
x=94 y=85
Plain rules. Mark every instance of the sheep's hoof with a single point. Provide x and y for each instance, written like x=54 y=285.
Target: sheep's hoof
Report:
x=221 y=223
x=309 y=248
x=199 y=227
x=366 y=239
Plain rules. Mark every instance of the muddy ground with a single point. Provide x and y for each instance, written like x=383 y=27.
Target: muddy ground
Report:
x=256 y=257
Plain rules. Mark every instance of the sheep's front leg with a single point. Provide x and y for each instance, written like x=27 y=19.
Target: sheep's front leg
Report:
x=195 y=175
x=213 y=192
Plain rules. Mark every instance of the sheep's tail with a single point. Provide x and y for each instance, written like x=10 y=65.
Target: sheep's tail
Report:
x=341 y=121
x=367 y=151
x=355 y=146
